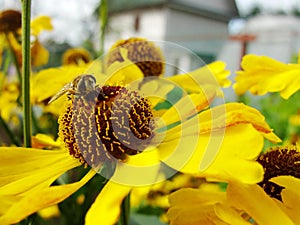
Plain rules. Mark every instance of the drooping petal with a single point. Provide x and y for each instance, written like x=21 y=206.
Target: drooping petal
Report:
x=39 y=53
x=187 y=106
x=37 y=199
x=23 y=169
x=143 y=169
x=229 y=154
x=232 y=114
x=213 y=74
x=106 y=208
x=222 y=116
x=253 y=200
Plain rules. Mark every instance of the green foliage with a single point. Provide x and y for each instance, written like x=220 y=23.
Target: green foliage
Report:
x=278 y=111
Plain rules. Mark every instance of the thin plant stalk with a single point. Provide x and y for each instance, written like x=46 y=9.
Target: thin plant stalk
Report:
x=103 y=23
x=26 y=11
x=14 y=58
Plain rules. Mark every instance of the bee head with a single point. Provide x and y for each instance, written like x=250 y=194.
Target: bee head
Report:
x=86 y=84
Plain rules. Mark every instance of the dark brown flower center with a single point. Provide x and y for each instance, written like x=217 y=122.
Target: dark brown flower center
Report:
x=10 y=21
x=279 y=161
x=143 y=53
x=108 y=123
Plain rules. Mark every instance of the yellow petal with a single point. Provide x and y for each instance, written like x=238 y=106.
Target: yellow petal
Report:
x=187 y=106
x=213 y=74
x=293 y=87
x=219 y=117
x=43 y=140
x=290 y=182
x=40 y=54
x=253 y=200
x=229 y=215
x=226 y=156
x=41 y=198
x=123 y=72
x=231 y=114
x=106 y=208
x=192 y=206
x=39 y=24
x=143 y=169
x=290 y=196
x=49 y=212
x=55 y=78
x=263 y=74
x=155 y=89
x=23 y=169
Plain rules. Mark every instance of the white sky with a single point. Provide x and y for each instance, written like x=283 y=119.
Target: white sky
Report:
x=72 y=18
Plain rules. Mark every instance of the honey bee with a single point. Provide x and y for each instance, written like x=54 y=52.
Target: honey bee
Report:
x=81 y=85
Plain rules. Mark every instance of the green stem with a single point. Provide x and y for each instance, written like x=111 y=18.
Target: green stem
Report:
x=14 y=58
x=26 y=9
x=125 y=210
x=103 y=24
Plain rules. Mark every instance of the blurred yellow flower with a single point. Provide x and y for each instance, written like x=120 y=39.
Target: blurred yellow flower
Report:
x=295 y=119
x=77 y=56
x=10 y=109
x=10 y=21
x=40 y=24
x=51 y=211
x=39 y=54
x=262 y=74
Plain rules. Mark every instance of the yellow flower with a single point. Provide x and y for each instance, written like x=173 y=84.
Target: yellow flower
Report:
x=274 y=201
x=39 y=54
x=262 y=74
x=76 y=56
x=9 y=95
x=295 y=119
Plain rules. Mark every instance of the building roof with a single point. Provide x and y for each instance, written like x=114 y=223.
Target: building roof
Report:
x=222 y=10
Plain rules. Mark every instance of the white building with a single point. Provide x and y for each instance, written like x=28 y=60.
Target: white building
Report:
x=276 y=36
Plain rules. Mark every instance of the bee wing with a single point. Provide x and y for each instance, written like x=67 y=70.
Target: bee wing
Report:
x=61 y=92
